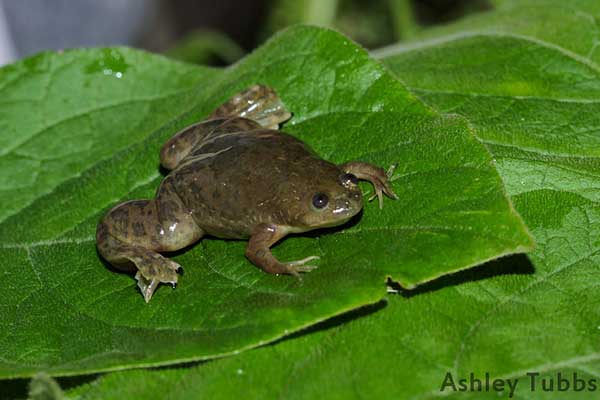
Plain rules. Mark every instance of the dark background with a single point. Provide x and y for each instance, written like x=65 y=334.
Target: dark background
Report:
x=210 y=32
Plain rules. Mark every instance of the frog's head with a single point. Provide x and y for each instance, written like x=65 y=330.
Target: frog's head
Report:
x=331 y=199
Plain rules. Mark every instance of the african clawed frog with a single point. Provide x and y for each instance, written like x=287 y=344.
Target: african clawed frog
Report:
x=234 y=176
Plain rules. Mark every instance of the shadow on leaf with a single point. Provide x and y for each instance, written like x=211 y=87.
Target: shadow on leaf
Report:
x=518 y=264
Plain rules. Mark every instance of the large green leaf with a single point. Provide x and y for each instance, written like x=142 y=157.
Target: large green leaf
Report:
x=540 y=314
x=66 y=313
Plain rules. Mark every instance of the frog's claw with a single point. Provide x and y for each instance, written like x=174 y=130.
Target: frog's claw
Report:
x=147 y=286
x=376 y=175
x=155 y=270
x=294 y=267
x=382 y=185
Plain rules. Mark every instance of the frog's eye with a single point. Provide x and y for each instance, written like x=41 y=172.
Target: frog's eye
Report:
x=348 y=179
x=320 y=200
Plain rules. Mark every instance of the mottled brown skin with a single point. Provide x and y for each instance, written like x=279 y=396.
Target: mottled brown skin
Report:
x=234 y=176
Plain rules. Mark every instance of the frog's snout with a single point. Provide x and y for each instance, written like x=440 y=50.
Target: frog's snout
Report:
x=347 y=206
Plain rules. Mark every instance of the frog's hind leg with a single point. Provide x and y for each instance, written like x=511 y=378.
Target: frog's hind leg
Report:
x=131 y=235
x=184 y=141
x=130 y=257
x=259 y=103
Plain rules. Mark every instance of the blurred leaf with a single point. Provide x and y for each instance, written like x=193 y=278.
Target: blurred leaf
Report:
x=370 y=23
x=289 y=12
x=404 y=21
x=556 y=24
x=66 y=313
x=206 y=48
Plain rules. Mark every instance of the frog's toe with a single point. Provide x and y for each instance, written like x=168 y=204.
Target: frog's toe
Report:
x=151 y=273
x=173 y=266
x=297 y=266
x=387 y=187
x=301 y=262
x=147 y=286
x=382 y=185
x=305 y=268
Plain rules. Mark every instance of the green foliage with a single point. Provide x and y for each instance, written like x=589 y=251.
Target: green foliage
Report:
x=526 y=78
x=316 y=12
x=369 y=23
x=100 y=118
x=206 y=48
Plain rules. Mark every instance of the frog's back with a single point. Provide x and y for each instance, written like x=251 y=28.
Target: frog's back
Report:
x=232 y=180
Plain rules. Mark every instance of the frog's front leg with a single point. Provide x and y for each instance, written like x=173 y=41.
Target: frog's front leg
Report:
x=130 y=236
x=374 y=174
x=258 y=251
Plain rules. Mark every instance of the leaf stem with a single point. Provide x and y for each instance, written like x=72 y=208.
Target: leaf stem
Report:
x=320 y=12
x=403 y=17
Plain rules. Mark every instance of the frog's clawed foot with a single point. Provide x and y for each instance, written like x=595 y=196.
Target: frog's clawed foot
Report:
x=377 y=176
x=259 y=103
x=295 y=267
x=155 y=271
x=381 y=182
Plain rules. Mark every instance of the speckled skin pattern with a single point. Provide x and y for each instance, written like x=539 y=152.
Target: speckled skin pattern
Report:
x=234 y=176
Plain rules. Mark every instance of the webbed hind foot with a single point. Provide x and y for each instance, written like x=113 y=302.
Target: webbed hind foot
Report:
x=259 y=103
x=154 y=269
